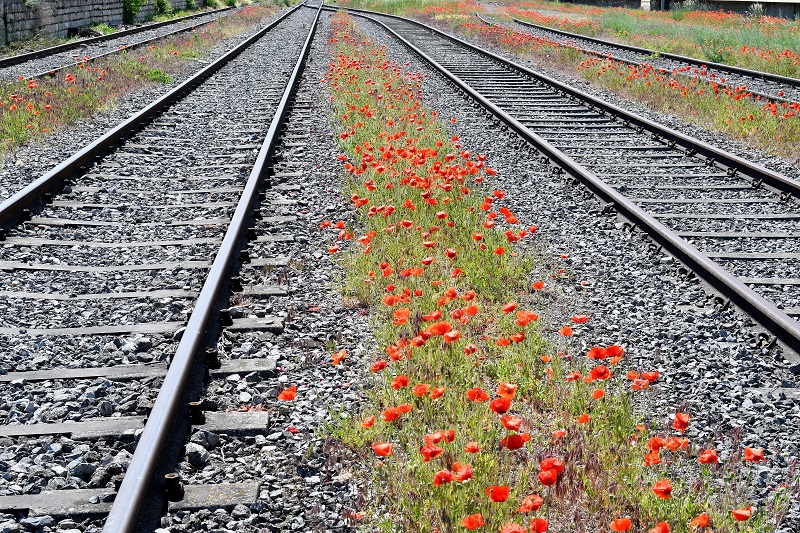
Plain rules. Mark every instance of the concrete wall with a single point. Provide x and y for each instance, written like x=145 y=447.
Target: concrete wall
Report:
x=56 y=17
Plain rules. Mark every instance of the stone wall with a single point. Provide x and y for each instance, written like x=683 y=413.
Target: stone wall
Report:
x=57 y=17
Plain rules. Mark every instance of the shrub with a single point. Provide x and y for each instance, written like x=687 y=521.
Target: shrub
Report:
x=130 y=8
x=191 y=4
x=163 y=7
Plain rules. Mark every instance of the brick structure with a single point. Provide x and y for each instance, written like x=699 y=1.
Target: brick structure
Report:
x=57 y=17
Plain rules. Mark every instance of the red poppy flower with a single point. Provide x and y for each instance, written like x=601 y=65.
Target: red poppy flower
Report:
x=506 y=390
x=511 y=422
x=548 y=477
x=681 y=421
x=662 y=489
x=557 y=434
x=551 y=463
x=499 y=250
x=530 y=504
x=598 y=393
x=584 y=418
x=513 y=528
x=338 y=357
x=437 y=392
x=500 y=405
x=518 y=337
x=368 y=422
x=700 y=520
x=652 y=458
x=461 y=472
x=580 y=319
x=596 y=352
x=661 y=527
x=399 y=382
x=503 y=342
x=538 y=285
x=288 y=394
x=620 y=524
x=614 y=351
x=472 y=447
x=404 y=407
x=498 y=493
x=650 y=376
x=600 y=372
x=756 y=455
x=477 y=395
x=640 y=384
x=707 y=457
x=450 y=253
x=573 y=376
x=442 y=476
x=566 y=331
x=379 y=365
x=473 y=521
x=435 y=315
x=392 y=413
x=515 y=441
x=429 y=451
x=526 y=317
x=510 y=306
x=538 y=525
x=383 y=449
x=740 y=515
x=440 y=328
x=421 y=390
x=674 y=443
x=452 y=336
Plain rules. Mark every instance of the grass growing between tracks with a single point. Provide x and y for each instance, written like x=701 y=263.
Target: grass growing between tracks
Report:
x=36 y=108
x=753 y=41
x=476 y=422
x=774 y=128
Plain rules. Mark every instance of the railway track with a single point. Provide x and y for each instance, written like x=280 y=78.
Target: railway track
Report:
x=114 y=287
x=176 y=252
x=770 y=87
x=731 y=222
x=39 y=63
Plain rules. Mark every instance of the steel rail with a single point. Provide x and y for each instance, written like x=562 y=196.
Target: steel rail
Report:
x=124 y=513
x=44 y=52
x=34 y=194
x=693 y=62
x=766 y=313
x=766 y=76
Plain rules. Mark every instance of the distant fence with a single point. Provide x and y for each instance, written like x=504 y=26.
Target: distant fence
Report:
x=21 y=19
